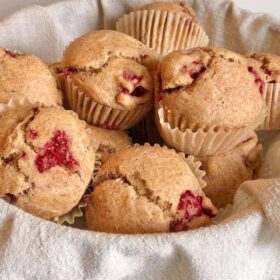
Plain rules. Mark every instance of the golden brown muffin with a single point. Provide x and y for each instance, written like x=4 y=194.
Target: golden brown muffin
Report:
x=144 y=189
x=265 y=67
x=46 y=160
x=227 y=171
x=27 y=76
x=210 y=87
x=113 y=70
x=107 y=142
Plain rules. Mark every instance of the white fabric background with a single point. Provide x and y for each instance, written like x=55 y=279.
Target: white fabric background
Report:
x=246 y=246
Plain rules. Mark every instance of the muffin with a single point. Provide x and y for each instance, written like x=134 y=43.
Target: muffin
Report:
x=107 y=142
x=46 y=160
x=164 y=26
x=266 y=70
x=27 y=76
x=108 y=79
x=138 y=190
x=227 y=171
x=207 y=101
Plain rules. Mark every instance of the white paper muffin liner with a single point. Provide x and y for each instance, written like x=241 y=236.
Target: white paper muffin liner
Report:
x=163 y=31
x=200 y=142
x=271 y=98
x=100 y=115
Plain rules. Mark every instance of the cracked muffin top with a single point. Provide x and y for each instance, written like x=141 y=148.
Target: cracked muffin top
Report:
x=27 y=76
x=46 y=160
x=106 y=142
x=265 y=67
x=176 y=7
x=112 y=68
x=226 y=172
x=210 y=87
x=138 y=190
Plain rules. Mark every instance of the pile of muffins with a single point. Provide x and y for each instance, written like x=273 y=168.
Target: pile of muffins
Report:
x=145 y=132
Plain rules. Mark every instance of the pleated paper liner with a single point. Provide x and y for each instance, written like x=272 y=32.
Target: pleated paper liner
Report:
x=201 y=142
x=17 y=104
x=163 y=31
x=271 y=98
x=100 y=115
x=77 y=211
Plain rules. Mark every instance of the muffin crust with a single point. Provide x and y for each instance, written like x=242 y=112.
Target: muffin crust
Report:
x=26 y=76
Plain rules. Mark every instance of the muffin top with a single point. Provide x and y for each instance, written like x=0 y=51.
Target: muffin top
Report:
x=176 y=7
x=225 y=172
x=153 y=187
x=265 y=67
x=106 y=142
x=112 y=68
x=27 y=76
x=45 y=163
x=210 y=87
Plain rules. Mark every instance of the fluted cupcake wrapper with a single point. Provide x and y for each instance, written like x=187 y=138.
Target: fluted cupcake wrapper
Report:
x=271 y=98
x=163 y=31
x=199 y=141
x=101 y=115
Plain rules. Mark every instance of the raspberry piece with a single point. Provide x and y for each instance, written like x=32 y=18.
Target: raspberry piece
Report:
x=190 y=206
x=32 y=134
x=68 y=71
x=11 y=197
x=56 y=152
x=258 y=80
x=194 y=70
x=138 y=90
x=129 y=76
x=10 y=53
x=88 y=198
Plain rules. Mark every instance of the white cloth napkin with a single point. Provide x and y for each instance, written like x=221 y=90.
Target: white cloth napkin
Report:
x=245 y=246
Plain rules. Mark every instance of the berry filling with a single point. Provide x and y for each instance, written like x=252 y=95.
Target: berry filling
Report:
x=68 y=71
x=56 y=152
x=189 y=207
x=10 y=53
x=11 y=197
x=138 y=90
x=194 y=70
x=258 y=80
x=88 y=198
x=32 y=134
